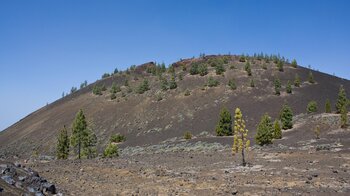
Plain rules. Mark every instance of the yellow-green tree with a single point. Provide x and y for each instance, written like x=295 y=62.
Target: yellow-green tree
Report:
x=240 y=141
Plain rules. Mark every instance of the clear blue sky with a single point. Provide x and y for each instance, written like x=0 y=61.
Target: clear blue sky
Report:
x=46 y=47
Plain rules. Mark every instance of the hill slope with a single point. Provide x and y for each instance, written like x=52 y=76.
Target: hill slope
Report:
x=145 y=120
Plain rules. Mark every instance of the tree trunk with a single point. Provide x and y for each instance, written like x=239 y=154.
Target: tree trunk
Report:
x=243 y=146
x=79 y=150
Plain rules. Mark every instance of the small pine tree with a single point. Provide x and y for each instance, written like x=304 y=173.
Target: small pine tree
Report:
x=212 y=82
x=203 y=69
x=294 y=63
x=278 y=86
x=194 y=69
x=317 y=132
x=286 y=117
x=289 y=87
x=240 y=136
x=224 y=126
x=232 y=84
x=187 y=135
x=344 y=117
x=111 y=151
x=252 y=84
x=312 y=107
x=96 y=90
x=277 y=130
x=62 y=149
x=311 y=78
x=172 y=83
x=297 y=81
x=342 y=99
x=79 y=132
x=280 y=66
x=248 y=69
x=143 y=87
x=328 y=107
x=113 y=88
x=219 y=69
x=265 y=131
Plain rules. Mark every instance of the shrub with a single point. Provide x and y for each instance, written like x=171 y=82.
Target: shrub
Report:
x=232 y=84
x=105 y=75
x=224 y=126
x=342 y=99
x=116 y=138
x=286 y=117
x=277 y=130
x=232 y=67
x=212 y=82
x=265 y=131
x=311 y=78
x=297 y=81
x=344 y=117
x=248 y=69
x=187 y=92
x=278 y=86
x=294 y=63
x=164 y=84
x=289 y=87
x=242 y=58
x=328 y=107
x=143 y=87
x=280 y=66
x=311 y=107
x=240 y=136
x=187 y=135
x=203 y=69
x=96 y=90
x=172 y=83
x=194 y=69
x=219 y=69
x=111 y=151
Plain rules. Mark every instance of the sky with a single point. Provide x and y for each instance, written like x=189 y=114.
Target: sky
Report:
x=46 y=47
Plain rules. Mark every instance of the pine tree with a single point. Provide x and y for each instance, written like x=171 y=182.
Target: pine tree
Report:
x=342 y=99
x=277 y=130
x=203 y=69
x=143 y=87
x=294 y=63
x=79 y=132
x=224 y=126
x=289 y=87
x=240 y=136
x=280 y=66
x=62 y=149
x=89 y=145
x=219 y=69
x=164 y=84
x=194 y=69
x=97 y=90
x=311 y=78
x=265 y=131
x=297 y=81
x=172 y=83
x=278 y=86
x=344 y=117
x=248 y=69
x=113 y=88
x=286 y=117
x=328 y=107
x=312 y=107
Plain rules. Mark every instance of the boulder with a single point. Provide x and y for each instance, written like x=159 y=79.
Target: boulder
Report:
x=8 y=180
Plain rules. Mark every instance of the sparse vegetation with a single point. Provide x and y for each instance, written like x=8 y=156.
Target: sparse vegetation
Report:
x=187 y=135
x=62 y=149
x=224 y=126
x=212 y=82
x=312 y=107
x=286 y=117
x=240 y=136
x=265 y=131
x=232 y=84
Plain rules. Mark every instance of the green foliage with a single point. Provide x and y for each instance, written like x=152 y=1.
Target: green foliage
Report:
x=248 y=68
x=265 y=131
x=187 y=135
x=297 y=81
x=111 y=151
x=73 y=90
x=103 y=88
x=105 y=75
x=344 y=117
x=342 y=99
x=116 y=71
x=232 y=67
x=83 y=85
x=294 y=63
x=286 y=117
x=164 y=84
x=143 y=87
x=194 y=68
x=252 y=84
x=280 y=66
x=116 y=138
x=172 y=83
x=89 y=145
x=212 y=82
x=203 y=69
x=79 y=132
x=115 y=88
x=312 y=107
x=62 y=149
x=278 y=86
x=113 y=96
x=328 y=107
x=219 y=69
x=277 y=130
x=240 y=136
x=242 y=58
x=289 y=87
x=224 y=126
x=187 y=92
x=232 y=84
x=311 y=78
x=181 y=76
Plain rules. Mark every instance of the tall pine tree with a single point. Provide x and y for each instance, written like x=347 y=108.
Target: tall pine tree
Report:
x=62 y=149
x=342 y=99
x=79 y=132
